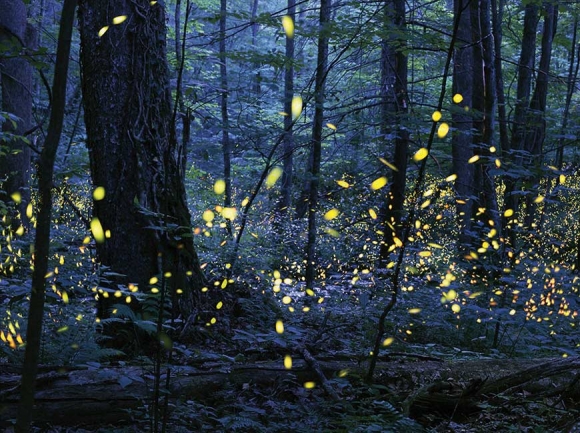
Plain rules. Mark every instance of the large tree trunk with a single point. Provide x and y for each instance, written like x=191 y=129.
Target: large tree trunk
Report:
x=461 y=142
x=16 y=79
x=394 y=107
x=133 y=152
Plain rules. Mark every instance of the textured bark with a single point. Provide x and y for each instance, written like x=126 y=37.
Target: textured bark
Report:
x=104 y=396
x=394 y=107
x=461 y=142
x=16 y=79
x=133 y=151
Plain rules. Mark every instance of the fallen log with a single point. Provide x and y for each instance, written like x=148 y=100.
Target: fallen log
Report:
x=535 y=373
x=90 y=396
x=450 y=399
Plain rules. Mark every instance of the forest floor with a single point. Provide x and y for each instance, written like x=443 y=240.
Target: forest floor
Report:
x=225 y=395
x=437 y=375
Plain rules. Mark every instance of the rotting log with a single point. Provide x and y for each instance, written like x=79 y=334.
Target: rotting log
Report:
x=452 y=399
x=105 y=395
x=535 y=373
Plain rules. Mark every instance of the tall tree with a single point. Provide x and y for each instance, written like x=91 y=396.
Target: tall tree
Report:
x=16 y=80
x=316 y=149
x=485 y=209
x=224 y=92
x=288 y=145
x=133 y=151
x=461 y=141
x=571 y=80
x=512 y=153
x=394 y=107
x=497 y=14
x=180 y=110
x=483 y=107
x=536 y=128
x=43 y=223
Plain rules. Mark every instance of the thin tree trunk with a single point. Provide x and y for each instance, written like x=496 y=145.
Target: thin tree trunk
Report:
x=177 y=29
x=536 y=131
x=497 y=10
x=288 y=147
x=570 y=83
x=43 y=221
x=179 y=109
x=226 y=142
x=483 y=101
x=484 y=94
x=319 y=97
x=512 y=156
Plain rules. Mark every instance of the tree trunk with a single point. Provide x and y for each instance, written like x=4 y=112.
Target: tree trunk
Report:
x=461 y=142
x=16 y=79
x=226 y=142
x=536 y=130
x=570 y=87
x=288 y=147
x=497 y=10
x=43 y=221
x=319 y=97
x=483 y=104
x=394 y=107
x=485 y=204
x=134 y=153
x=512 y=156
x=177 y=28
